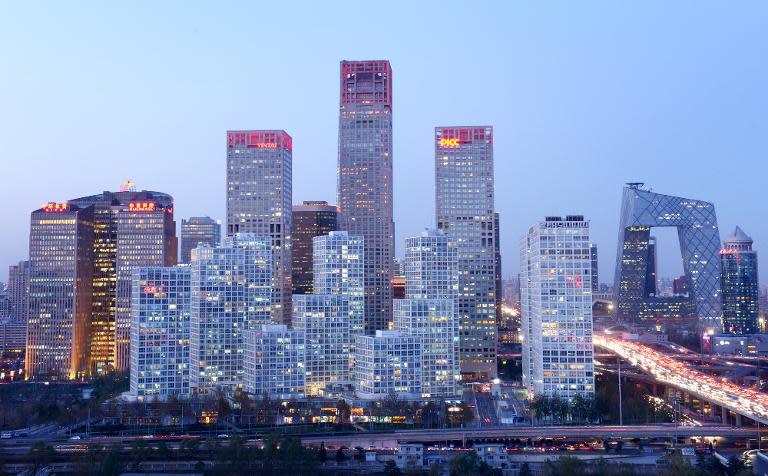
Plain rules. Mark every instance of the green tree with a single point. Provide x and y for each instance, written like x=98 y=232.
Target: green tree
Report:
x=525 y=470
x=565 y=466
x=323 y=454
x=391 y=469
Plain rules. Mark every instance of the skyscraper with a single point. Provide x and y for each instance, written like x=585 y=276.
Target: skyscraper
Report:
x=738 y=281
x=197 y=230
x=464 y=190
x=386 y=363
x=556 y=281
x=259 y=187
x=60 y=273
x=310 y=219
x=146 y=237
x=107 y=206
x=696 y=224
x=429 y=310
x=160 y=332
x=594 y=268
x=339 y=260
x=18 y=290
x=231 y=293
x=365 y=177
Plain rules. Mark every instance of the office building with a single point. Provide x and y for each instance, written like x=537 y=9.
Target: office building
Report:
x=196 y=231
x=429 y=310
x=107 y=205
x=387 y=363
x=339 y=260
x=231 y=293
x=365 y=178
x=259 y=187
x=324 y=321
x=696 y=225
x=146 y=237
x=274 y=362
x=594 y=270
x=739 y=284
x=60 y=289
x=464 y=190
x=160 y=309
x=310 y=219
x=556 y=281
x=18 y=290
x=13 y=336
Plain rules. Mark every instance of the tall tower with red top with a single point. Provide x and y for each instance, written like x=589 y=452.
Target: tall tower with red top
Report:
x=365 y=178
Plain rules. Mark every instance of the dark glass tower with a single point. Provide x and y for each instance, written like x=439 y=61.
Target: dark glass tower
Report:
x=365 y=178
x=196 y=231
x=738 y=281
x=310 y=219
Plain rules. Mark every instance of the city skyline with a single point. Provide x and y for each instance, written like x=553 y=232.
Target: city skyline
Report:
x=632 y=123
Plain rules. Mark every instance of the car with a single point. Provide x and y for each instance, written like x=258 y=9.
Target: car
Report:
x=223 y=436
x=75 y=438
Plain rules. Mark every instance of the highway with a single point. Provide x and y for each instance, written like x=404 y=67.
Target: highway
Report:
x=684 y=376
x=534 y=432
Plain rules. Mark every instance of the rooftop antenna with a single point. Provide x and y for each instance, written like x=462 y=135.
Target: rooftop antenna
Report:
x=128 y=186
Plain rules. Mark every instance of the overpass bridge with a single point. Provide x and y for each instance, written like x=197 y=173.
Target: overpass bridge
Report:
x=682 y=375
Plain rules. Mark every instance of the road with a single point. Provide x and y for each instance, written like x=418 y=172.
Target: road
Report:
x=626 y=431
x=684 y=376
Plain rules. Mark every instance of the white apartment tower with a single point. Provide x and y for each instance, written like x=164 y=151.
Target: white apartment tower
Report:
x=556 y=302
x=429 y=310
x=387 y=363
x=231 y=293
x=160 y=304
x=274 y=362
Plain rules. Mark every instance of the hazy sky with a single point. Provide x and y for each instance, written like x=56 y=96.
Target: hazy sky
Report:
x=583 y=96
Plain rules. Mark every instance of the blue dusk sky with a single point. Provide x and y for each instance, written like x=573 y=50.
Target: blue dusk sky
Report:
x=583 y=97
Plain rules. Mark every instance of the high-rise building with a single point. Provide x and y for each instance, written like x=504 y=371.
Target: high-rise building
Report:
x=497 y=270
x=555 y=273
x=739 y=284
x=60 y=281
x=274 y=362
x=160 y=338
x=198 y=230
x=594 y=269
x=259 y=187
x=324 y=320
x=651 y=279
x=231 y=293
x=464 y=192
x=339 y=269
x=696 y=225
x=18 y=290
x=107 y=206
x=387 y=363
x=146 y=237
x=365 y=178
x=310 y=219
x=429 y=310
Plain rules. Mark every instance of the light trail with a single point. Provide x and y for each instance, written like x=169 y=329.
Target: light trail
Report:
x=745 y=401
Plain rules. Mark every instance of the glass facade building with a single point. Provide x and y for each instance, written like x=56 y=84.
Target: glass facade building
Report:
x=60 y=292
x=556 y=305
x=274 y=362
x=310 y=219
x=739 y=284
x=464 y=189
x=259 y=201
x=387 y=363
x=231 y=293
x=324 y=320
x=196 y=231
x=697 y=230
x=160 y=308
x=365 y=178
x=429 y=310
x=146 y=236
x=103 y=331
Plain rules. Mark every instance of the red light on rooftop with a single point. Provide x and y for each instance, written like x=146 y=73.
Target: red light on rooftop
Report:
x=259 y=140
x=53 y=207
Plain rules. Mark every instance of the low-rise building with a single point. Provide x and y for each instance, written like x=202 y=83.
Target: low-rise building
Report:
x=409 y=456
x=386 y=363
x=274 y=362
x=493 y=455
